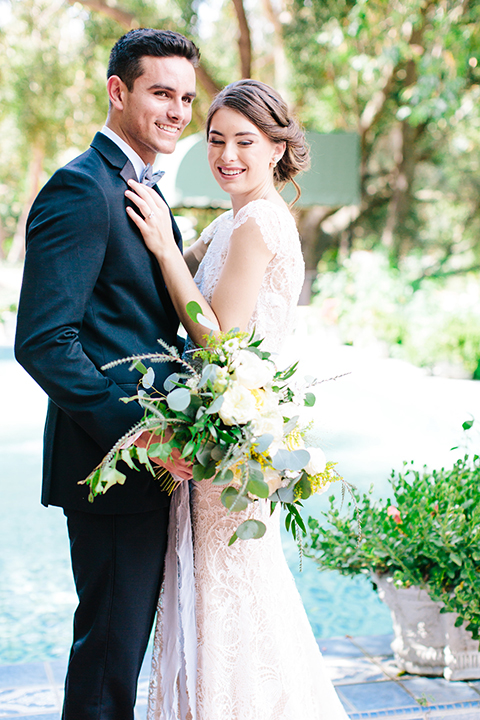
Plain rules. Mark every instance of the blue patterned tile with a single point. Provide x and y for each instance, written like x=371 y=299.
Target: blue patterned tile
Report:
x=20 y=702
x=353 y=670
x=376 y=645
x=22 y=675
x=377 y=696
x=341 y=647
x=438 y=690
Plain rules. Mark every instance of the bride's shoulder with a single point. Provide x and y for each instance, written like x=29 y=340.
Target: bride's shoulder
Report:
x=275 y=221
x=263 y=209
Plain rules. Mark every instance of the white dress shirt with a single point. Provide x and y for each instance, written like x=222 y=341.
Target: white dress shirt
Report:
x=134 y=158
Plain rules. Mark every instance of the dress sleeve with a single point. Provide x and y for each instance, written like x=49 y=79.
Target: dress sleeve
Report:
x=271 y=220
x=209 y=233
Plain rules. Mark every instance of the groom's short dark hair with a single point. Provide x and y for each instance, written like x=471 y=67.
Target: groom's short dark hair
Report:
x=126 y=55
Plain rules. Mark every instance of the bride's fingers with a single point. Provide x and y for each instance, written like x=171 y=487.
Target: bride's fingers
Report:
x=146 y=208
x=151 y=197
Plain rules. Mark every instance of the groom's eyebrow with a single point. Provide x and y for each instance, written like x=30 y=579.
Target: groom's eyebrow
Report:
x=158 y=86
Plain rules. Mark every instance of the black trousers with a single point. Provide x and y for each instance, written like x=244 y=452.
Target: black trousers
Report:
x=117 y=563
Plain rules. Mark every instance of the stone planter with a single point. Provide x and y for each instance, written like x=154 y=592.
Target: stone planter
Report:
x=419 y=641
x=427 y=642
x=462 y=656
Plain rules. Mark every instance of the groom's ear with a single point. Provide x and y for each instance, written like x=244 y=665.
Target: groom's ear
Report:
x=116 y=89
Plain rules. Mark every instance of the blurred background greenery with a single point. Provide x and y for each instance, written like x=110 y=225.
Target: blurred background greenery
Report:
x=401 y=269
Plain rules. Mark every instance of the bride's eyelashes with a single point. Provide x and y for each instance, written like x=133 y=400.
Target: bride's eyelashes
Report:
x=241 y=143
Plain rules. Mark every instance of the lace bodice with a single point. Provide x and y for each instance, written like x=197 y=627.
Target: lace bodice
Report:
x=274 y=313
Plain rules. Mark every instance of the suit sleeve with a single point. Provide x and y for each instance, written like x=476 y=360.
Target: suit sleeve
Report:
x=67 y=236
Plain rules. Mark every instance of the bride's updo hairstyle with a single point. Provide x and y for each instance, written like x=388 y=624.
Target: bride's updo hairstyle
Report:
x=266 y=109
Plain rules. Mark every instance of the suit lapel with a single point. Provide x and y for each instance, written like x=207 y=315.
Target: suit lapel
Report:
x=117 y=158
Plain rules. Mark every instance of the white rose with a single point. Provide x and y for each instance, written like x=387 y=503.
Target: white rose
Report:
x=268 y=425
x=251 y=371
x=317 y=462
x=238 y=405
x=273 y=479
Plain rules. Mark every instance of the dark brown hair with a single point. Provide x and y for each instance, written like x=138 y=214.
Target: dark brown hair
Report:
x=266 y=109
x=127 y=53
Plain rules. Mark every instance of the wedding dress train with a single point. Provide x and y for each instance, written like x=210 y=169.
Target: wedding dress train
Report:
x=256 y=656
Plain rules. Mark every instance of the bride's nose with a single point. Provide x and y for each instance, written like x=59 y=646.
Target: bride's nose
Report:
x=229 y=152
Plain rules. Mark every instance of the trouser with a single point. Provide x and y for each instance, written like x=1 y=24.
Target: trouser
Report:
x=117 y=563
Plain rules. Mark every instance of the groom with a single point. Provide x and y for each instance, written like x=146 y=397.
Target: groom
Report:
x=92 y=293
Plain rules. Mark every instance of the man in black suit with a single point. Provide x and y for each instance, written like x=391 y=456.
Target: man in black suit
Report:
x=92 y=293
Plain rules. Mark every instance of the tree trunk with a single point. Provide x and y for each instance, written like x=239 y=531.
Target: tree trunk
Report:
x=244 y=40
x=17 y=249
x=279 y=57
x=314 y=243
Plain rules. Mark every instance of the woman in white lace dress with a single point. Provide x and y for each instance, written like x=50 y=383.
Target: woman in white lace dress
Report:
x=257 y=658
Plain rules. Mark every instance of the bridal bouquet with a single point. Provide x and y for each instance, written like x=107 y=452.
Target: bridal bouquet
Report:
x=236 y=419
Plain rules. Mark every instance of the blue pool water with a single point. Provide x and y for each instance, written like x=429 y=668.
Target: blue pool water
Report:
x=372 y=420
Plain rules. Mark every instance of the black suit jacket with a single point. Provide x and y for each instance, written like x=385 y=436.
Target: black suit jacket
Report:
x=91 y=293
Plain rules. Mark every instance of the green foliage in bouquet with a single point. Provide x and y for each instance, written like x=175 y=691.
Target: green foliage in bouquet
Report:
x=235 y=418
x=428 y=535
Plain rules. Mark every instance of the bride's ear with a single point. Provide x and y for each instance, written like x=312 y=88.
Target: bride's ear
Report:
x=278 y=153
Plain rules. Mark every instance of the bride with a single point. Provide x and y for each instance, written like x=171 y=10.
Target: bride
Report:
x=257 y=658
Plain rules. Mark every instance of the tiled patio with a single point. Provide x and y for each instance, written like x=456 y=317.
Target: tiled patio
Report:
x=362 y=669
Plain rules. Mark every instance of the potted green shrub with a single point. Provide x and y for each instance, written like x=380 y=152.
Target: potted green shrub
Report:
x=421 y=549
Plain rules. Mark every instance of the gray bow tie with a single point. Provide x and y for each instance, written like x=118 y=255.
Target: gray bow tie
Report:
x=150 y=178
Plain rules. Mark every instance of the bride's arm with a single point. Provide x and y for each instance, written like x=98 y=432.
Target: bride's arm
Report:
x=237 y=290
x=194 y=255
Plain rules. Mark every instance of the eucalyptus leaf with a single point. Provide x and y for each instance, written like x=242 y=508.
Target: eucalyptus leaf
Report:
x=215 y=406
x=203 y=455
x=179 y=399
x=232 y=500
x=148 y=379
x=251 y=530
x=171 y=382
x=223 y=478
x=258 y=487
x=290 y=425
x=285 y=495
x=218 y=452
x=198 y=472
x=310 y=399
x=290 y=459
x=263 y=443
x=209 y=373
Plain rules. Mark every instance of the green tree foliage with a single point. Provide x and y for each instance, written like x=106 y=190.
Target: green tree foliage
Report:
x=405 y=74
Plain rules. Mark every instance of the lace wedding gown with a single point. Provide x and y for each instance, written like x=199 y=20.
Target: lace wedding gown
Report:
x=257 y=658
